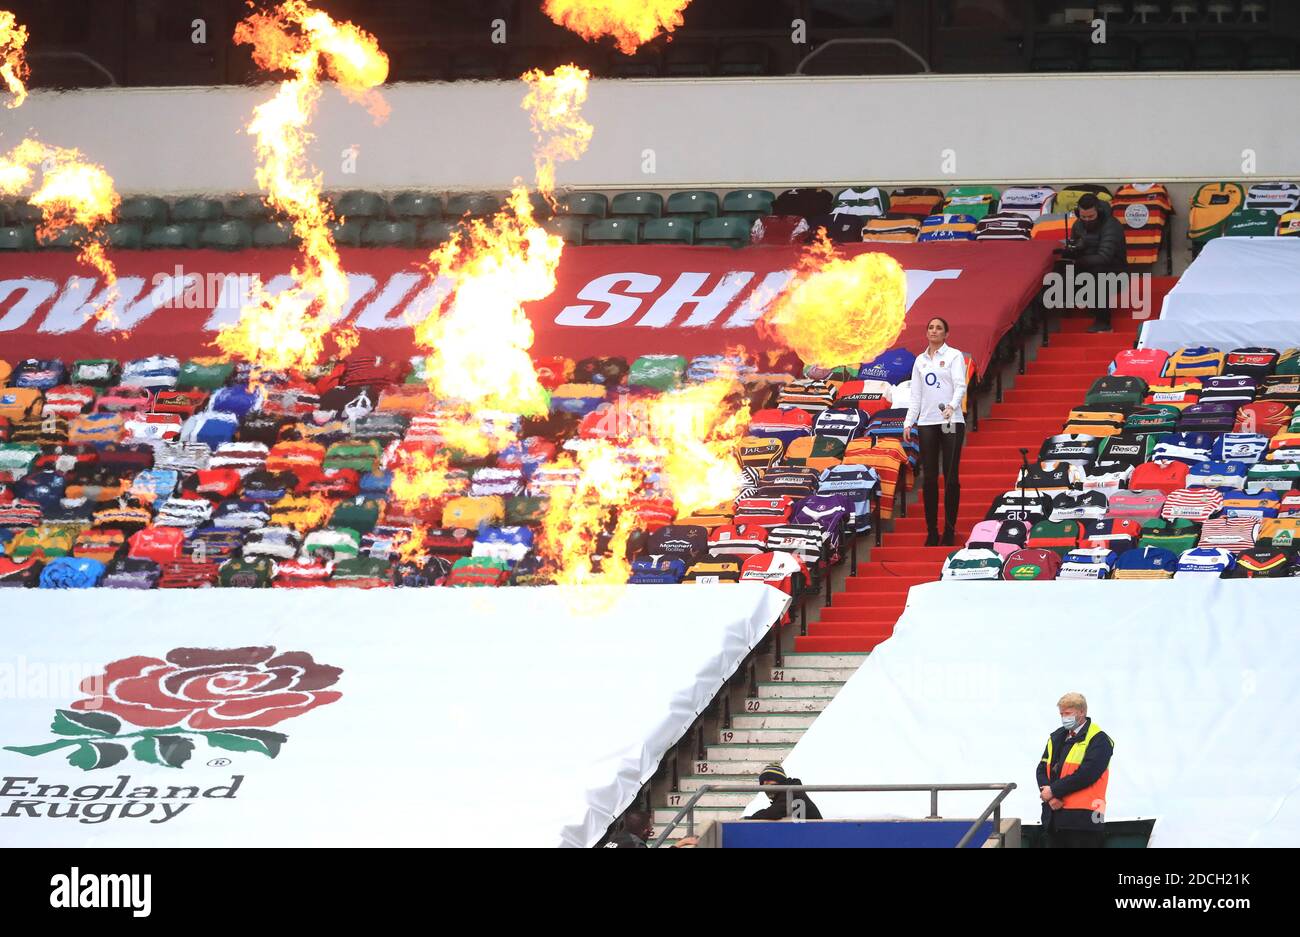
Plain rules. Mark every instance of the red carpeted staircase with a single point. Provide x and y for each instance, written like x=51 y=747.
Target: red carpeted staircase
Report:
x=864 y=612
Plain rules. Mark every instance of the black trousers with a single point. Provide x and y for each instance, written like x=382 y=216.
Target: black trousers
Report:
x=1075 y=839
x=941 y=454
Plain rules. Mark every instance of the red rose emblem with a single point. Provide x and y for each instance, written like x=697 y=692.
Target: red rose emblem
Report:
x=211 y=688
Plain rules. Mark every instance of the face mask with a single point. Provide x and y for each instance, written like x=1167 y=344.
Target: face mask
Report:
x=1069 y=722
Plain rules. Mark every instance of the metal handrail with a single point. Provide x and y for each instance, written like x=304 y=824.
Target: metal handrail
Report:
x=688 y=809
x=861 y=42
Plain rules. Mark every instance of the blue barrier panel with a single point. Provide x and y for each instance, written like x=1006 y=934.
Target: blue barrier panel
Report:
x=851 y=834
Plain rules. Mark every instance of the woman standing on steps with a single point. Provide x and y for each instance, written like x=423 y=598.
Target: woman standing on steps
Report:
x=935 y=409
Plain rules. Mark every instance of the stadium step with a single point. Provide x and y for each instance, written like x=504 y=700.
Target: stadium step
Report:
x=664 y=815
x=838 y=643
x=875 y=619
x=688 y=783
x=761 y=735
x=811 y=674
x=850 y=662
x=737 y=758
x=793 y=691
x=771 y=721
x=808 y=704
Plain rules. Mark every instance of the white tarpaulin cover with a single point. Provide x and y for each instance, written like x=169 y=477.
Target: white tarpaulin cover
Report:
x=1238 y=292
x=453 y=717
x=1194 y=680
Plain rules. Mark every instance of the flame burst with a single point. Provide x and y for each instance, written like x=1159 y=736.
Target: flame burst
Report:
x=479 y=339
x=288 y=330
x=72 y=191
x=680 y=445
x=630 y=22
x=13 y=63
x=839 y=310
x=553 y=102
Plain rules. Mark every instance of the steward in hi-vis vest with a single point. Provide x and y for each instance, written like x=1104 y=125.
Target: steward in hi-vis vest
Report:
x=1073 y=776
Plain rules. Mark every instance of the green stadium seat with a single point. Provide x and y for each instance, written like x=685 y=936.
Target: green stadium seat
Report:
x=584 y=204
x=567 y=227
x=1056 y=55
x=1164 y=55
x=637 y=205
x=744 y=58
x=476 y=65
x=19 y=213
x=541 y=207
x=433 y=233
x=248 y=208
x=273 y=234
x=748 y=203
x=143 y=208
x=416 y=206
x=688 y=60
x=128 y=236
x=347 y=233
x=388 y=234
x=233 y=235
x=697 y=204
x=729 y=230
x=668 y=231
x=172 y=236
x=476 y=205
x=612 y=231
x=65 y=239
x=198 y=210
x=1116 y=54
x=1217 y=53
x=18 y=238
x=1272 y=53
x=360 y=205
x=644 y=63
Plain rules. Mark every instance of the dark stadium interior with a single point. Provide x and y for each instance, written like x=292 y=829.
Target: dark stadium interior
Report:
x=93 y=43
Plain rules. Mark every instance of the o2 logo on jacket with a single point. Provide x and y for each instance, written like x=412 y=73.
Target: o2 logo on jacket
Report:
x=931 y=379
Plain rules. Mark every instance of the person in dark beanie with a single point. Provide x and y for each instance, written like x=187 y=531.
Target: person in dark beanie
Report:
x=636 y=832
x=784 y=804
x=1097 y=246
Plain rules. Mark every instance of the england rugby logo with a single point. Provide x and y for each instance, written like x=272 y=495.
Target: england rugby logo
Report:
x=226 y=696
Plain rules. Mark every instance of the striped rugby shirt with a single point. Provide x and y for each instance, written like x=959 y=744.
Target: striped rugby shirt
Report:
x=1196 y=504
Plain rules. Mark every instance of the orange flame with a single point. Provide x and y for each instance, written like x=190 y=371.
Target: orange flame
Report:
x=479 y=341
x=839 y=310
x=13 y=63
x=420 y=477
x=72 y=191
x=553 y=102
x=288 y=330
x=412 y=549
x=630 y=22
x=688 y=437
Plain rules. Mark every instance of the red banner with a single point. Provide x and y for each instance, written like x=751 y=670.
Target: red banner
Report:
x=609 y=300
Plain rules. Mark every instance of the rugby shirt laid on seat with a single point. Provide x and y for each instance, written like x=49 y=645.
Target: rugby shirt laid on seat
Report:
x=1217 y=475
x=1110 y=533
x=1146 y=563
x=1196 y=504
x=1230 y=533
x=1201 y=561
x=972 y=564
x=1258 y=506
x=1246 y=448
x=1263 y=563
x=1136 y=505
x=1094 y=563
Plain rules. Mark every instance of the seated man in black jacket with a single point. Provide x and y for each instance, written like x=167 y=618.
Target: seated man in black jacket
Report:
x=1097 y=246
x=796 y=804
